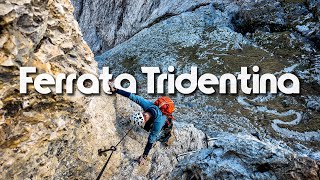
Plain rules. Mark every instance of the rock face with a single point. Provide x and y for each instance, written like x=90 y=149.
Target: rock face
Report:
x=107 y=23
x=221 y=37
x=245 y=157
x=58 y=136
x=42 y=34
x=46 y=136
x=275 y=16
x=191 y=156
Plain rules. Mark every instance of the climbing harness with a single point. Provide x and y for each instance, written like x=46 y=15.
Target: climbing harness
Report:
x=112 y=149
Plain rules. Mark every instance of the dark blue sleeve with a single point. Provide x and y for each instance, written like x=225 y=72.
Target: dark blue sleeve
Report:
x=123 y=93
x=147 y=149
x=135 y=98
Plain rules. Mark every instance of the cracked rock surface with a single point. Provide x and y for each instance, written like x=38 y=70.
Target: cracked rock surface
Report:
x=58 y=136
x=107 y=23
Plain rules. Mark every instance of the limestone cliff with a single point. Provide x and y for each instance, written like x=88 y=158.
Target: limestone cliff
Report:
x=44 y=136
x=107 y=23
x=58 y=137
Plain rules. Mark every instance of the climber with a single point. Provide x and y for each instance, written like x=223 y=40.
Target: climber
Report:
x=152 y=118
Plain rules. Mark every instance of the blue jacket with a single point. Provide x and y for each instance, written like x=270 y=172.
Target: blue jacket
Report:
x=159 y=119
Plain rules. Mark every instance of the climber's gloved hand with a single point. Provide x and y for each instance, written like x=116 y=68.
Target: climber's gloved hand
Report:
x=142 y=160
x=111 y=85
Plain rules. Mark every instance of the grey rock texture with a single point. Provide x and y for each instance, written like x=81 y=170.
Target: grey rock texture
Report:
x=58 y=137
x=245 y=157
x=46 y=136
x=106 y=23
x=279 y=16
x=226 y=156
x=222 y=37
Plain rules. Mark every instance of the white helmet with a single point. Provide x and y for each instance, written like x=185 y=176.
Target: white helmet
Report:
x=137 y=119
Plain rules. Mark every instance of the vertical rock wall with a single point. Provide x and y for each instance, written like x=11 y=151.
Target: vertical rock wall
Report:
x=58 y=137
x=47 y=136
x=107 y=23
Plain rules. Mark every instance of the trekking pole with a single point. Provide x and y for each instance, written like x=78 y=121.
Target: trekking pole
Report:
x=112 y=149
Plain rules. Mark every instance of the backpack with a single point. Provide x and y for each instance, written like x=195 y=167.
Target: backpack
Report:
x=166 y=106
